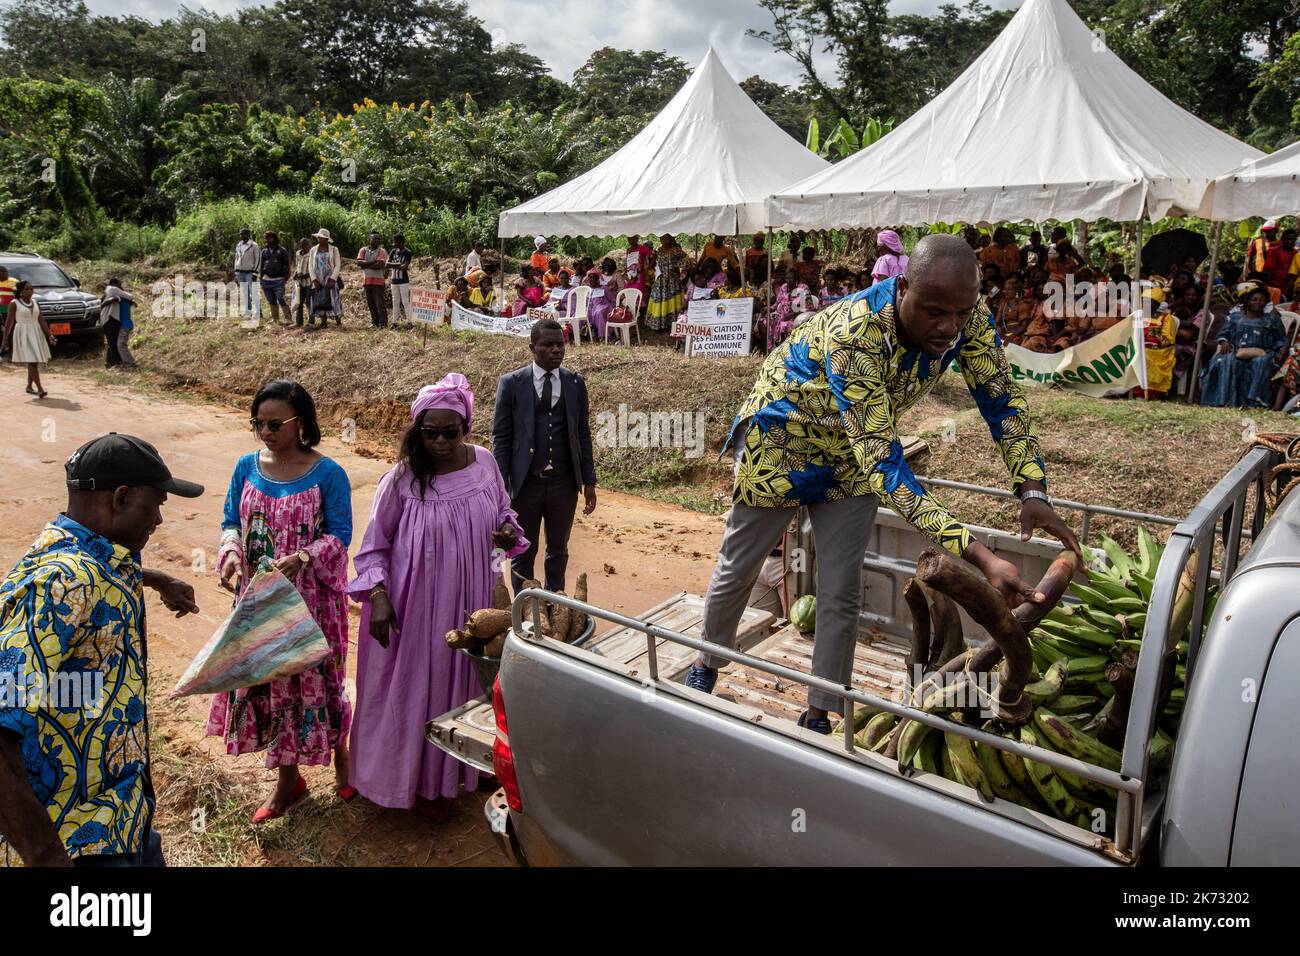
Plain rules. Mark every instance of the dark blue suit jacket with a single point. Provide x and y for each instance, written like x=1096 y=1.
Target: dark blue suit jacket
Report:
x=513 y=421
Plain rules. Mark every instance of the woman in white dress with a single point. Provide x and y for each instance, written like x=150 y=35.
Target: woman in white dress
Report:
x=30 y=337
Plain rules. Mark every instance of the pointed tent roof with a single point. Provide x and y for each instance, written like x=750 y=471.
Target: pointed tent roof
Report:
x=1047 y=123
x=705 y=164
x=1264 y=187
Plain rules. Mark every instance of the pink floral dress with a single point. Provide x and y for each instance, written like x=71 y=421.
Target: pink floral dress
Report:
x=299 y=719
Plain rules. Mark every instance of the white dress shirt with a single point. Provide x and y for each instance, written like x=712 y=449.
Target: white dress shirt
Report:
x=473 y=261
x=539 y=379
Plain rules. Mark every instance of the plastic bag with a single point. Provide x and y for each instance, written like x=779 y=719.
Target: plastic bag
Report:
x=269 y=633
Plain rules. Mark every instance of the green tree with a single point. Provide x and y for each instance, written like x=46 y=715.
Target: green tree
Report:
x=787 y=108
x=614 y=83
x=47 y=117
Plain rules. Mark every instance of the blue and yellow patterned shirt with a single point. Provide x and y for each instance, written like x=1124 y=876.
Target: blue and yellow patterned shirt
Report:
x=72 y=687
x=823 y=411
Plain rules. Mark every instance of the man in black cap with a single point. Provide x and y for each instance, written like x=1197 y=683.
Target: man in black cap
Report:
x=75 y=785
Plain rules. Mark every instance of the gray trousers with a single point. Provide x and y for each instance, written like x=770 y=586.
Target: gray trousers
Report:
x=842 y=530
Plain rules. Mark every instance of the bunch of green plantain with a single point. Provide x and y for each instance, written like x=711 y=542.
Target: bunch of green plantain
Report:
x=1072 y=648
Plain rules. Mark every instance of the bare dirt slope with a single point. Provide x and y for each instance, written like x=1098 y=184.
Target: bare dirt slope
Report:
x=636 y=552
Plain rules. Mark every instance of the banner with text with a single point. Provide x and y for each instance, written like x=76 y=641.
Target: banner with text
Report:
x=463 y=320
x=428 y=306
x=1109 y=363
x=717 y=328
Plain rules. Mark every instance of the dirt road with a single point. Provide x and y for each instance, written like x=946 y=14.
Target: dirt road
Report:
x=635 y=551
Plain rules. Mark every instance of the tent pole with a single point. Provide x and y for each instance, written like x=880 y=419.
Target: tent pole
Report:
x=1206 y=315
x=768 y=321
x=740 y=257
x=1137 y=251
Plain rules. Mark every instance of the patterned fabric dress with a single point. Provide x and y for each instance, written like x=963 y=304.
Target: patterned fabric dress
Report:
x=299 y=719
x=820 y=423
x=666 y=293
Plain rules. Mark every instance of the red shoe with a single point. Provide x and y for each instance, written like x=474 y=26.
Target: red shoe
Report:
x=264 y=814
x=347 y=793
x=439 y=811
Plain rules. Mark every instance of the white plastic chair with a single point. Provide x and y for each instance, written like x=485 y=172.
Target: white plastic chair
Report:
x=577 y=311
x=631 y=300
x=1290 y=322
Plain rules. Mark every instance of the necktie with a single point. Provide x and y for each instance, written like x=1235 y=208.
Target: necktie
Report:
x=546 y=391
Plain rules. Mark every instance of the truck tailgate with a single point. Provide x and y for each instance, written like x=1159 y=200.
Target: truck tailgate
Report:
x=468 y=731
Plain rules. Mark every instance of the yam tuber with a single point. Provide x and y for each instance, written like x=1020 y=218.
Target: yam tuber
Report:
x=579 y=621
x=561 y=618
x=488 y=623
x=494 y=647
x=501 y=596
x=459 y=638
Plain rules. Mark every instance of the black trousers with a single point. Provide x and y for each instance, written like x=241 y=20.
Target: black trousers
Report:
x=553 y=502
x=110 y=329
x=304 y=306
x=378 y=306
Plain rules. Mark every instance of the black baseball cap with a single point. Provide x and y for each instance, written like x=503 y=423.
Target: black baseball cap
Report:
x=114 y=460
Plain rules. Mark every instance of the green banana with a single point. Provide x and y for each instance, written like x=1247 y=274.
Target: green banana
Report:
x=1149 y=552
x=1135 y=624
x=877 y=729
x=1102 y=620
x=1161 y=750
x=961 y=751
x=1110 y=588
x=1078 y=633
x=1063 y=647
x=1065 y=614
x=1144 y=586
x=928 y=754
x=1129 y=605
x=945 y=765
x=1049 y=785
x=1042 y=691
x=1067 y=740
x=1089 y=596
x=1084 y=665
x=998 y=779
x=1073 y=703
x=910 y=738
x=1119 y=558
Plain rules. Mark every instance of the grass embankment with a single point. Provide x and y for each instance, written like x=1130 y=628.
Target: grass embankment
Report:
x=1158 y=457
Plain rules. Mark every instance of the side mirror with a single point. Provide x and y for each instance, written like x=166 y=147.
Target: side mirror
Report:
x=76 y=282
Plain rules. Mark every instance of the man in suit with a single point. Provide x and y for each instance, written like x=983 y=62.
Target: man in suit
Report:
x=541 y=439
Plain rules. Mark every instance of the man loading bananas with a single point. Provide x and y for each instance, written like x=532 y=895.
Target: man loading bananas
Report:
x=819 y=430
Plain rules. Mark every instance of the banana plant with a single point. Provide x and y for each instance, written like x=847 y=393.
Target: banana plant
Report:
x=813 y=140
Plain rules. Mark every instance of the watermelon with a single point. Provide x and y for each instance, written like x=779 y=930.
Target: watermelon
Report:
x=804 y=614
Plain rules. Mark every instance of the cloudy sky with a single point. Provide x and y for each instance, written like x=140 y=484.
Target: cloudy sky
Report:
x=564 y=32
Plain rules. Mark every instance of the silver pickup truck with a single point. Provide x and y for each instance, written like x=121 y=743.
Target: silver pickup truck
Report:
x=607 y=758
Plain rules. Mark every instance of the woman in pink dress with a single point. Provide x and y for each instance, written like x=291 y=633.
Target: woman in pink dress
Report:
x=291 y=504
x=440 y=529
x=640 y=267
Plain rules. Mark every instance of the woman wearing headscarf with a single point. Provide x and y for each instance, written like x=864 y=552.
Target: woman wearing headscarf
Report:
x=639 y=266
x=890 y=260
x=1251 y=345
x=439 y=531
x=1159 y=331
x=666 y=293
x=601 y=302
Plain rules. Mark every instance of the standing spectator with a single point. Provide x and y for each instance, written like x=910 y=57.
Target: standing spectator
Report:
x=640 y=265
x=890 y=259
x=1034 y=254
x=292 y=505
x=373 y=261
x=8 y=285
x=1003 y=252
x=399 y=265
x=273 y=269
x=472 y=261
x=117 y=303
x=666 y=293
x=809 y=269
x=445 y=499
x=721 y=253
x=1277 y=263
x=541 y=254
x=1258 y=247
x=756 y=255
x=247 y=255
x=541 y=439
x=29 y=336
x=75 y=603
x=326 y=263
x=302 y=284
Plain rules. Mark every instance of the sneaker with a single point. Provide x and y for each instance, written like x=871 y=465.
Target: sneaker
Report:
x=818 y=725
x=702 y=679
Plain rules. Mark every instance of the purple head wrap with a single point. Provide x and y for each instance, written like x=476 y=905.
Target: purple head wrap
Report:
x=891 y=241
x=451 y=392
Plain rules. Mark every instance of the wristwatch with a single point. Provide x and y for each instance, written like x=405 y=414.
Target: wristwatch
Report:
x=1040 y=495
x=304 y=557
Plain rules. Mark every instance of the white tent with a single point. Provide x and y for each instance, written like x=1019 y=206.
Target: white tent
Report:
x=1264 y=187
x=705 y=164
x=1047 y=123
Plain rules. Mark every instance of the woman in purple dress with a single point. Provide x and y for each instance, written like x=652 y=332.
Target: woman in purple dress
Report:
x=440 y=530
x=291 y=504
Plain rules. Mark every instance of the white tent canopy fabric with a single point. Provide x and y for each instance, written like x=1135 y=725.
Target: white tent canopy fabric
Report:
x=705 y=164
x=1047 y=123
x=1264 y=187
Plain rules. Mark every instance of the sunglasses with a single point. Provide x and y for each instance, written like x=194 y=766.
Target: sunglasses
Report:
x=272 y=426
x=449 y=432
